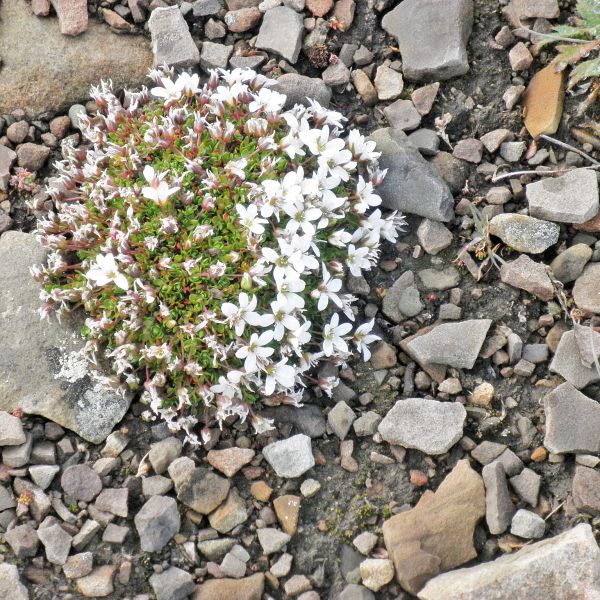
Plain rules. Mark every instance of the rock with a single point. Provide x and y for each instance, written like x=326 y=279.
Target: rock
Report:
x=452 y=170
x=344 y=12
x=307 y=419
x=172 y=42
x=80 y=482
x=41 y=8
x=202 y=490
x=291 y=457
x=520 y=58
x=163 y=453
x=281 y=32
x=523 y=233
x=77 y=116
x=172 y=584
x=569 y=264
x=230 y=514
x=287 y=509
x=526 y=274
x=362 y=56
x=544 y=98
x=531 y=9
x=17 y=132
x=499 y=508
x=56 y=542
x=434 y=279
x=248 y=588
x=539 y=571
x=243 y=19
x=527 y=485
x=298 y=88
x=483 y=394
x=437 y=534
x=8 y=158
x=11 y=430
x=376 y=572
x=43 y=475
x=98 y=584
x=586 y=291
x=365 y=542
x=72 y=16
x=402 y=301
x=65 y=66
x=512 y=152
x=230 y=460
x=115 y=20
x=442 y=27
x=157 y=523
x=586 y=490
x=10 y=584
x=214 y=56
x=272 y=540
x=567 y=363
x=208 y=8
x=453 y=344
x=426 y=141
x=231 y=566
x=389 y=84
x=402 y=115
x=424 y=97
x=336 y=74
x=572 y=422
x=356 y=592
x=428 y=425
x=570 y=198
x=411 y=185
x=340 y=419
x=512 y=95
x=79 y=565
x=32 y=157
x=364 y=87
x=319 y=8
x=18 y=456
x=366 y=424
x=588 y=343
x=23 y=540
x=494 y=139
x=470 y=150
x=216 y=549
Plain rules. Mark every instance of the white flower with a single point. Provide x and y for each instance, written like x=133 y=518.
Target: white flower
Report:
x=357 y=260
x=361 y=148
x=239 y=316
x=256 y=351
x=106 y=271
x=366 y=195
x=280 y=374
x=236 y=167
x=327 y=290
x=281 y=319
x=158 y=190
x=249 y=218
x=288 y=291
x=267 y=100
x=363 y=337
x=332 y=336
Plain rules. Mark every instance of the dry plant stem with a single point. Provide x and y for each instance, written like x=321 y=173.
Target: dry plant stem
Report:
x=552 y=36
x=569 y=147
x=496 y=177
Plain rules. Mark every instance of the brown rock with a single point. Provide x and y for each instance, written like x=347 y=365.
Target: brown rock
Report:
x=247 y=588
x=17 y=132
x=230 y=460
x=586 y=490
x=436 y=535
x=41 y=8
x=202 y=490
x=543 y=103
x=98 y=584
x=243 y=19
x=32 y=156
x=344 y=12
x=230 y=514
x=319 y=8
x=261 y=491
x=72 y=16
x=586 y=291
x=554 y=335
x=364 y=87
x=287 y=509
x=591 y=226
x=520 y=58
x=59 y=126
x=528 y=275
x=115 y=20
x=424 y=97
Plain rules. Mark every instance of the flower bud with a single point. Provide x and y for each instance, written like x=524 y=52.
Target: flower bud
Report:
x=246 y=283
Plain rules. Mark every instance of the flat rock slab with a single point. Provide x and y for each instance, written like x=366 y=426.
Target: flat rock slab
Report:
x=564 y=567
x=526 y=274
x=544 y=101
x=42 y=369
x=281 y=32
x=453 y=344
x=572 y=422
x=428 y=425
x=411 y=185
x=247 y=588
x=432 y=36
x=437 y=534
x=47 y=71
x=291 y=457
x=523 y=233
x=570 y=198
x=172 y=41
x=586 y=291
x=568 y=363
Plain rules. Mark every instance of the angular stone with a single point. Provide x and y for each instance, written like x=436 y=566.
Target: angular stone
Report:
x=43 y=475
x=364 y=87
x=281 y=32
x=586 y=490
x=336 y=74
x=567 y=363
x=272 y=540
x=230 y=460
x=436 y=535
x=402 y=115
x=23 y=541
x=230 y=514
x=56 y=542
x=433 y=236
x=428 y=425
x=435 y=279
x=243 y=19
x=8 y=158
x=32 y=157
x=494 y=139
x=424 y=97
x=527 y=485
x=248 y=588
x=453 y=344
x=214 y=56
x=569 y=264
x=531 y=9
x=11 y=430
x=389 y=85
x=520 y=57
x=287 y=509
x=523 y=233
x=426 y=141
x=564 y=567
x=10 y=584
x=499 y=508
x=72 y=16
x=412 y=185
x=202 y=490
x=207 y=8
x=432 y=36
x=570 y=198
x=470 y=150
x=526 y=274
x=79 y=565
x=588 y=343
x=18 y=456
x=586 y=291
x=319 y=8
x=172 y=42
x=114 y=501
x=528 y=525
x=291 y=457
x=163 y=453
x=157 y=523
x=572 y=422
x=543 y=104
x=80 y=482
x=340 y=419
x=307 y=419
x=376 y=572
x=98 y=584
x=298 y=88
x=63 y=75
x=172 y=584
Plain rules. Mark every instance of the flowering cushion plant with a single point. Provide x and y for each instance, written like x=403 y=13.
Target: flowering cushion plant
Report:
x=206 y=232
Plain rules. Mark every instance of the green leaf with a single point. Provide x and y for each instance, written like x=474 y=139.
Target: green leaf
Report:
x=588 y=69
x=589 y=10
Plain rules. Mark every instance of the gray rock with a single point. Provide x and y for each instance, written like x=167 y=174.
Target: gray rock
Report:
x=353 y=591
x=526 y=274
x=202 y=490
x=588 y=343
x=453 y=344
x=281 y=32
x=570 y=198
x=163 y=453
x=272 y=540
x=402 y=300
x=512 y=152
x=172 y=584
x=336 y=74
x=114 y=501
x=23 y=541
x=230 y=514
x=79 y=565
x=433 y=236
x=586 y=291
x=42 y=369
x=77 y=114
x=18 y=456
x=43 y=475
x=291 y=457
x=10 y=584
x=523 y=233
x=87 y=532
x=426 y=141
x=511 y=463
x=298 y=88
x=536 y=353
x=567 y=363
x=207 y=8
x=435 y=279
x=232 y=566
x=564 y=567
x=572 y=422
x=217 y=548
x=56 y=542
x=428 y=425
x=66 y=66
x=362 y=56
x=389 y=85
x=156 y=486
x=569 y=264
x=499 y=508
x=527 y=486
x=586 y=490
x=366 y=424
x=8 y=158
x=487 y=451
x=157 y=522
x=340 y=419
x=247 y=62
x=412 y=185
x=528 y=525
x=307 y=419
x=80 y=482
x=172 y=42
x=32 y=157
x=11 y=430
x=403 y=115
x=215 y=56
x=432 y=36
